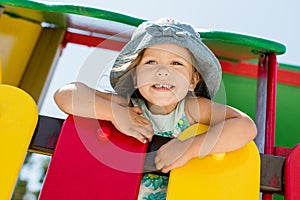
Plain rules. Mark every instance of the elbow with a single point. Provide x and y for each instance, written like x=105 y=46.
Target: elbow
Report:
x=253 y=133
x=251 y=128
x=63 y=100
x=63 y=97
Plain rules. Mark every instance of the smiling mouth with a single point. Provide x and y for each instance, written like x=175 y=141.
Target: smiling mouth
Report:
x=163 y=86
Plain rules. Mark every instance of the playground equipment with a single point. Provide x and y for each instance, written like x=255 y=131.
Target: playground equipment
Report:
x=18 y=119
x=249 y=65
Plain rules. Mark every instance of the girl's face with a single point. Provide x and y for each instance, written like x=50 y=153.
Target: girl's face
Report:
x=165 y=74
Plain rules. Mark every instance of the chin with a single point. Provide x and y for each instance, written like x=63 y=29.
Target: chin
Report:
x=164 y=102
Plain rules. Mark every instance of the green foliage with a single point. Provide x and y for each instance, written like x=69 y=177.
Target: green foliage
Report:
x=22 y=190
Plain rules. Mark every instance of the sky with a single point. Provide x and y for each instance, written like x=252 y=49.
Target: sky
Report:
x=275 y=20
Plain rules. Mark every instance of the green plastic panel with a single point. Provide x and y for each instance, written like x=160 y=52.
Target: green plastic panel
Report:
x=235 y=46
x=288 y=109
x=225 y=45
x=53 y=9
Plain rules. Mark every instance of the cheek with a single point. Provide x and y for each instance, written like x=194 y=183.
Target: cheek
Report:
x=143 y=91
x=144 y=78
x=182 y=90
x=183 y=77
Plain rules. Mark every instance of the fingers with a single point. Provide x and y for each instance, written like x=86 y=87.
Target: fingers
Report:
x=146 y=132
x=137 y=110
x=141 y=121
x=138 y=136
x=142 y=133
x=178 y=163
x=171 y=155
x=143 y=127
x=160 y=161
x=166 y=167
x=138 y=118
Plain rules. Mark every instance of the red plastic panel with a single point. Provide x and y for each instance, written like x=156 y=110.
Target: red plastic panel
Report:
x=282 y=151
x=92 y=160
x=292 y=175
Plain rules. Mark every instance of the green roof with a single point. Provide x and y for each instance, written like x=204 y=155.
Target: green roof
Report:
x=225 y=45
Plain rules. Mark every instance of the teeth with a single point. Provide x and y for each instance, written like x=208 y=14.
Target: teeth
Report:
x=163 y=86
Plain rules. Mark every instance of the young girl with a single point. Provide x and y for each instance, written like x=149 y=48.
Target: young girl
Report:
x=164 y=79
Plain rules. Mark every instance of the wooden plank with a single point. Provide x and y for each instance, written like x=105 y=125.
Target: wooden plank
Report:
x=271 y=176
x=45 y=135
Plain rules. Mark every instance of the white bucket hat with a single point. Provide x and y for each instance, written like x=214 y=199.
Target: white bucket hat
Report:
x=165 y=31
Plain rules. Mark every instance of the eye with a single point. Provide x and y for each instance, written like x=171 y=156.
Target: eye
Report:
x=151 y=62
x=176 y=63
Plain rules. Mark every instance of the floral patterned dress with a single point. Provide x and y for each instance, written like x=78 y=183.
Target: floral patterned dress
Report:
x=153 y=186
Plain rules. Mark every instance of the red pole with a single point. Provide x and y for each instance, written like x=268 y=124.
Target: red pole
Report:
x=271 y=105
x=271 y=109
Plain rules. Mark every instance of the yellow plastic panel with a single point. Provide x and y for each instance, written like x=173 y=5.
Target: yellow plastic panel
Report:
x=0 y=70
x=193 y=130
x=223 y=168
x=198 y=129
x=235 y=177
x=17 y=41
x=18 y=118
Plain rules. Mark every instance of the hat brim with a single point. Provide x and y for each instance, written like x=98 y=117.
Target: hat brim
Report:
x=205 y=61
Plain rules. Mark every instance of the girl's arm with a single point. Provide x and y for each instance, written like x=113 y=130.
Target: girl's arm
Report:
x=230 y=129
x=81 y=100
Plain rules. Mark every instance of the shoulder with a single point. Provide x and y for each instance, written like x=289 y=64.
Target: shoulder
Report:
x=193 y=102
x=195 y=107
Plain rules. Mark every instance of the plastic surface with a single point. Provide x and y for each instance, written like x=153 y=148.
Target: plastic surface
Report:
x=291 y=174
x=84 y=167
x=224 y=44
x=193 y=130
x=235 y=177
x=18 y=38
x=198 y=129
x=18 y=118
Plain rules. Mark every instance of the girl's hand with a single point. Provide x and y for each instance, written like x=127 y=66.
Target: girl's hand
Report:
x=174 y=154
x=129 y=121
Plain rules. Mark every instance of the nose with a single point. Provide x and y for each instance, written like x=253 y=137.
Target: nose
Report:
x=163 y=72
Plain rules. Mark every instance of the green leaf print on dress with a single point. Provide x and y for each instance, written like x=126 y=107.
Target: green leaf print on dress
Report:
x=154 y=187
